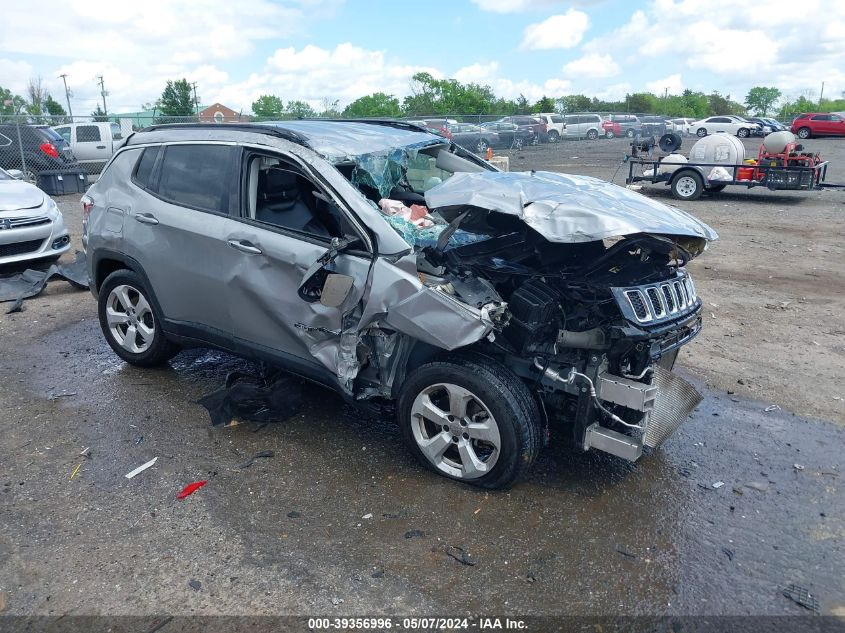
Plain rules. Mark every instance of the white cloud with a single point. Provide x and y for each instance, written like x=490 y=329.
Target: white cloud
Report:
x=557 y=31
x=592 y=65
x=477 y=73
x=137 y=47
x=14 y=75
x=311 y=73
x=736 y=43
x=670 y=85
x=488 y=74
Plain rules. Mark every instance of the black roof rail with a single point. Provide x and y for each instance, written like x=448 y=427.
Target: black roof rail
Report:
x=270 y=130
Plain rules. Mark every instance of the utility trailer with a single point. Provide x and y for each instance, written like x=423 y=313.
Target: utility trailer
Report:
x=689 y=180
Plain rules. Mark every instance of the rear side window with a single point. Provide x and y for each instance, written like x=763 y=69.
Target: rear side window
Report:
x=87 y=134
x=64 y=132
x=198 y=176
x=144 y=171
x=557 y=119
x=49 y=134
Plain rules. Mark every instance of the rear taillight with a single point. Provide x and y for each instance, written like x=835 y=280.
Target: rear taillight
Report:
x=49 y=149
x=445 y=132
x=87 y=203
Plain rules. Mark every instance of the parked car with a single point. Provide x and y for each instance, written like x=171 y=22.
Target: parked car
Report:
x=437 y=126
x=584 y=126
x=818 y=124
x=510 y=135
x=265 y=241
x=724 y=123
x=92 y=143
x=776 y=125
x=43 y=150
x=473 y=137
x=628 y=124
x=611 y=129
x=655 y=126
x=683 y=126
x=31 y=225
x=530 y=123
x=555 y=125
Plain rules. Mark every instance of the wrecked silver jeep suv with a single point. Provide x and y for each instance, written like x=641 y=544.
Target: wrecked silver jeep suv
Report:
x=492 y=311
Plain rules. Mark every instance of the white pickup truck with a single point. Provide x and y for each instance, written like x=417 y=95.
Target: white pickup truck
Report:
x=92 y=143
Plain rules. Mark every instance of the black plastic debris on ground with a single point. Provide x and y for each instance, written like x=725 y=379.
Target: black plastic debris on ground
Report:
x=274 y=396
x=258 y=455
x=460 y=555
x=31 y=282
x=802 y=597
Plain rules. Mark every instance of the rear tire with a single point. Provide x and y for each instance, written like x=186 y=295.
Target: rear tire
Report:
x=701 y=133
x=554 y=137
x=804 y=133
x=131 y=322
x=609 y=134
x=742 y=132
x=482 y=146
x=630 y=133
x=687 y=185
x=469 y=418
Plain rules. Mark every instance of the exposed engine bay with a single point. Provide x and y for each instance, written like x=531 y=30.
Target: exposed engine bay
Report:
x=590 y=318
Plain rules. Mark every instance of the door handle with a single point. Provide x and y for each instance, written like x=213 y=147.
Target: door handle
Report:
x=146 y=218
x=101 y=147
x=245 y=247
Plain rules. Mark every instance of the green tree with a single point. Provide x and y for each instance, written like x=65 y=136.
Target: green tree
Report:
x=268 y=107
x=177 y=99
x=10 y=103
x=447 y=96
x=642 y=102
x=761 y=99
x=377 y=104
x=724 y=105
x=545 y=104
x=329 y=108
x=99 y=114
x=300 y=110
x=573 y=103
x=54 y=108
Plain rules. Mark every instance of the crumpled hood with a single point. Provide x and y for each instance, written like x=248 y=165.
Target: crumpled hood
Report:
x=15 y=194
x=566 y=208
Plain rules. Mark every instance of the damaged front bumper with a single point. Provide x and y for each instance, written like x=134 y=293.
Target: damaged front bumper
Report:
x=665 y=404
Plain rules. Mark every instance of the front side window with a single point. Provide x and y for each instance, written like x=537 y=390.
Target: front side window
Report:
x=280 y=195
x=198 y=176
x=87 y=134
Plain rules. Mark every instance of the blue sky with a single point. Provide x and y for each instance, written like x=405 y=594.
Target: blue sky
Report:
x=341 y=49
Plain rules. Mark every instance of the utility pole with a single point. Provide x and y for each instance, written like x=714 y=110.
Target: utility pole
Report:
x=821 y=94
x=67 y=95
x=196 y=103
x=103 y=92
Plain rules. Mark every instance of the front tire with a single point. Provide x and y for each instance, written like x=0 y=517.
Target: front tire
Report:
x=687 y=185
x=554 y=137
x=471 y=419
x=742 y=132
x=592 y=135
x=701 y=133
x=482 y=146
x=804 y=133
x=630 y=133
x=130 y=321
x=609 y=134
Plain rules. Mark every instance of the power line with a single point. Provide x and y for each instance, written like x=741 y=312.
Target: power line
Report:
x=67 y=94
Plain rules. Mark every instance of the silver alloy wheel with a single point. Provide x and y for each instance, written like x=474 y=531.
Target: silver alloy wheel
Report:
x=130 y=319
x=702 y=132
x=803 y=133
x=686 y=186
x=609 y=134
x=455 y=431
x=742 y=133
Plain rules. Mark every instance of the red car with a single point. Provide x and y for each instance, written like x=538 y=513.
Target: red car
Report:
x=818 y=124
x=611 y=129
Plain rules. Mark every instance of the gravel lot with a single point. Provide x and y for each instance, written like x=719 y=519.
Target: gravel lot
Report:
x=586 y=534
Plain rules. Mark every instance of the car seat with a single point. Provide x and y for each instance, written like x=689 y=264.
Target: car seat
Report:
x=280 y=202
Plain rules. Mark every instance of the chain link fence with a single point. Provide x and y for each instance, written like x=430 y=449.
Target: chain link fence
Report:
x=45 y=147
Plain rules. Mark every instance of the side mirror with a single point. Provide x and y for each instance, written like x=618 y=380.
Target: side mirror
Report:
x=336 y=289
x=17 y=174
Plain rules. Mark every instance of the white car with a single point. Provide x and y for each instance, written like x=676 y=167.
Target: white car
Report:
x=555 y=126
x=725 y=123
x=92 y=143
x=31 y=225
x=683 y=126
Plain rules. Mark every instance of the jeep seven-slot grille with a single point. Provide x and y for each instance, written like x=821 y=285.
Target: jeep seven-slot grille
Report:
x=654 y=303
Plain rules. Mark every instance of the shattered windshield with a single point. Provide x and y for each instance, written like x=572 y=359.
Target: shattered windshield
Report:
x=396 y=180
